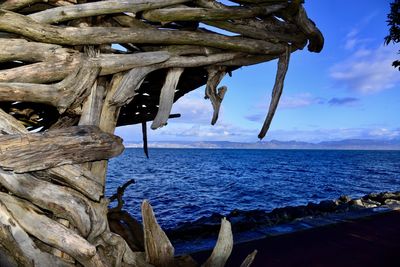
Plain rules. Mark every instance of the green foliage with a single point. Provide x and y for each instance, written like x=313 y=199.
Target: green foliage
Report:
x=394 y=30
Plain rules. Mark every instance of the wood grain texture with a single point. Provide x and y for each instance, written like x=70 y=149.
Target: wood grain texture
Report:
x=19 y=152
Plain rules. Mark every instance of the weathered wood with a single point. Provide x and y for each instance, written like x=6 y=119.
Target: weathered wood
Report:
x=196 y=14
x=99 y=8
x=215 y=76
x=65 y=94
x=72 y=67
x=133 y=80
x=15 y=23
x=56 y=70
x=159 y=250
x=283 y=65
x=16 y=4
x=108 y=122
x=129 y=84
x=249 y=259
x=167 y=97
x=62 y=201
x=19 y=246
x=77 y=178
x=47 y=230
x=91 y=111
x=57 y=147
x=223 y=248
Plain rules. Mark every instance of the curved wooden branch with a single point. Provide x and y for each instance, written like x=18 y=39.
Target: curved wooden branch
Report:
x=167 y=97
x=77 y=178
x=196 y=14
x=70 y=92
x=64 y=13
x=283 y=65
x=62 y=201
x=308 y=27
x=47 y=230
x=15 y=23
x=56 y=70
x=249 y=259
x=57 y=147
x=223 y=248
x=13 y=237
x=215 y=76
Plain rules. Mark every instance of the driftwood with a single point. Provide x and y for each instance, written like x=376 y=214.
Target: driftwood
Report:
x=72 y=71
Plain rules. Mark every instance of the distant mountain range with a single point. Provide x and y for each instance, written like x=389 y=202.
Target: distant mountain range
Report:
x=348 y=144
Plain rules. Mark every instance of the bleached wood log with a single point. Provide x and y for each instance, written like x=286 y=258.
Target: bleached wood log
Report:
x=283 y=65
x=57 y=147
x=64 y=13
x=24 y=50
x=20 y=247
x=77 y=178
x=17 y=4
x=19 y=24
x=68 y=93
x=215 y=76
x=223 y=248
x=91 y=111
x=167 y=97
x=129 y=84
x=132 y=81
x=108 y=122
x=56 y=70
x=111 y=64
x=62 y=201
x=199 y=14
x=158 y=248
x=249 y=259
x=47 y=230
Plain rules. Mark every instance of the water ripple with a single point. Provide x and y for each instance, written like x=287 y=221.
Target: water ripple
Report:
x=186 y=184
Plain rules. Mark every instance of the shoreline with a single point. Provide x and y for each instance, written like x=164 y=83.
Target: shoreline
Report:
x=365 y=241
x=201 y=234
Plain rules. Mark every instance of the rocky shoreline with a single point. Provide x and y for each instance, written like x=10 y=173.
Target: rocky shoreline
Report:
x=244 y=221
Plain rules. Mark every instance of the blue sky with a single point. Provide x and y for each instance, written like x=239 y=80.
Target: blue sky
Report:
x=349 y=90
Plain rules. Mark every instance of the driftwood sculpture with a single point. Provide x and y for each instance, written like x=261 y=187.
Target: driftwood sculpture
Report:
x=71 y=71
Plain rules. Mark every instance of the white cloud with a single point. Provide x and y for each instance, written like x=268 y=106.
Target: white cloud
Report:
x=368 y=71
x=197 y=132
x=194 y=108
x=300 y=100
x=319 y=135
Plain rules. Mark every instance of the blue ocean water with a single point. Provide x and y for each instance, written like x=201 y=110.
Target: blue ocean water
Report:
x=186 y=184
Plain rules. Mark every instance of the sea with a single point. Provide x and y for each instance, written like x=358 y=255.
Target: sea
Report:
x=184 y=185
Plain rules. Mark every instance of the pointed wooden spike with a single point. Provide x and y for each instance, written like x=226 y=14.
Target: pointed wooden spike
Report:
x=277 y=91
x=249 y=259
x=223 y=248
x=215 y=75
x=144 y=134
x=158 y=248
x=167 y=97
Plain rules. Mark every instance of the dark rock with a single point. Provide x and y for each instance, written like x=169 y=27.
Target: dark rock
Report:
x=356 y=203
x=327 y=206
x=344 y=199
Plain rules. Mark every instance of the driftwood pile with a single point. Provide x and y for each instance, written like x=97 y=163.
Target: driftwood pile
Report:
x=71 y=71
